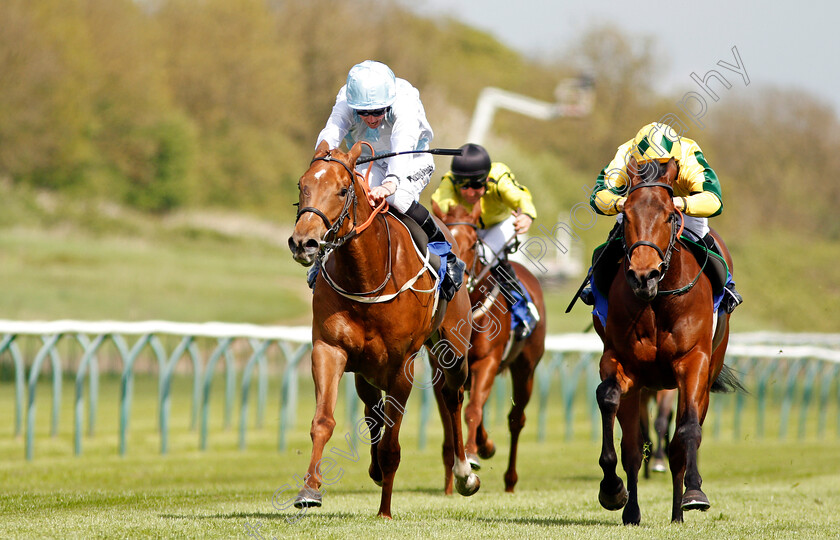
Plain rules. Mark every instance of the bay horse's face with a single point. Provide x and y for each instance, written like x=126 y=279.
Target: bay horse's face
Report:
x=648 y=225
x=327 y=194
x=464 y=228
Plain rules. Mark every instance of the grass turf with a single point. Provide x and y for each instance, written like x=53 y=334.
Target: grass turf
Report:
x=758 y=488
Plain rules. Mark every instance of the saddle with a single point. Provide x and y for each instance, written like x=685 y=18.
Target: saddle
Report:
x=420 y=238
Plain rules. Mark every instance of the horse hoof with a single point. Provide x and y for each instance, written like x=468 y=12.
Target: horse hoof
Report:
x=487 y=451
x=472 y=459
x=659 y=465
x=614 y=501
x=308 y=498
x=694 y=499
x=467 y=486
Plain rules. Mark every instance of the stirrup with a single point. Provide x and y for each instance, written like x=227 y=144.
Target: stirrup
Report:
x=731 y=299
x=587 y=297
x=453 y=278
x=526 y=328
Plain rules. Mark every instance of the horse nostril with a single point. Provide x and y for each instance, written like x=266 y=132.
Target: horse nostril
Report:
x=312 y=245
x=292 y=244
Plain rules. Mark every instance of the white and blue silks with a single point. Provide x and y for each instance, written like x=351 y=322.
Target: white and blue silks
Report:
x=404 y=128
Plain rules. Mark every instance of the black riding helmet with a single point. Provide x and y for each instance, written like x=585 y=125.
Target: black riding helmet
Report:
x=473 y=165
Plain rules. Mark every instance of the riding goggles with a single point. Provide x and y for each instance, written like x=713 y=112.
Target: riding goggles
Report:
x=467 y=182
x=374 y=112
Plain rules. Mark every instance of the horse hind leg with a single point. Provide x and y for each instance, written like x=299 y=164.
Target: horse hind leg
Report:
x=664 y=413
x=452 y=393
x=371 y=397
x=448 y=447
x=388 y=449
x=522 y=374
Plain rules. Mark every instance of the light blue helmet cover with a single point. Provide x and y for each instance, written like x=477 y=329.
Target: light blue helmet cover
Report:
x=371 y=85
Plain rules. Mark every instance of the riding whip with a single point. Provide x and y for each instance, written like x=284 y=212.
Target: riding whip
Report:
x=436 y=151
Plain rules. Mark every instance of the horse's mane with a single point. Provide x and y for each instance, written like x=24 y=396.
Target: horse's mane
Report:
x=652 y=171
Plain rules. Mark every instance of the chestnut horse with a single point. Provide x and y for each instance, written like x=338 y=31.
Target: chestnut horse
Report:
x=658 y=334
x=490 y=341
x=376 y=331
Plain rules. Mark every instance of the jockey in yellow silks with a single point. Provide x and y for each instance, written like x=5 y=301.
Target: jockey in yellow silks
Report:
x=507 y=209
x=697 y=192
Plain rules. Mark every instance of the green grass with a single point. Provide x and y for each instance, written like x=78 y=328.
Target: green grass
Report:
x=758 y=488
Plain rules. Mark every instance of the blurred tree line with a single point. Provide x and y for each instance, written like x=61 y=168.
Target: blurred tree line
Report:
x=166 y=104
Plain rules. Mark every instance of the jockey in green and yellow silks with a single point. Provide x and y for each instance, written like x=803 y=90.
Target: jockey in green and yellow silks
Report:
x=697 y=192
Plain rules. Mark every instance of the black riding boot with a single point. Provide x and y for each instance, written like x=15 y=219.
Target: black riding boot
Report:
x=455 y=267
x=506 y=276
x=731 y=297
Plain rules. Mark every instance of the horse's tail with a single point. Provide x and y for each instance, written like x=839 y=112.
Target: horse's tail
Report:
x=727 y=381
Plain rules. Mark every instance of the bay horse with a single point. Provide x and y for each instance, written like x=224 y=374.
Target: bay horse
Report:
x=491 y=350
x=664 y=407
x=377 y=331
x=658 y=334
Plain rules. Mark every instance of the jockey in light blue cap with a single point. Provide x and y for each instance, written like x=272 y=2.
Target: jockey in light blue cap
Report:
x=376 y=107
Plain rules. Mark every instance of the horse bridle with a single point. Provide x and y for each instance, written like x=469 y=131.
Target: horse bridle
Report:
x=332 y=228
x=472 y=279
x=664 y=255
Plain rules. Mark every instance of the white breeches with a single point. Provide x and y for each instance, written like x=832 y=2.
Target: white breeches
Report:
x=495 y=238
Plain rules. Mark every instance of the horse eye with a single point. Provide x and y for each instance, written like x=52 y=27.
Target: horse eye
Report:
x=343 y=192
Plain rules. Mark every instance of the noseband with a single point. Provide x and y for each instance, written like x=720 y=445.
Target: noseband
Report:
x=664 y=255
x=332 y=228
x=676 y=229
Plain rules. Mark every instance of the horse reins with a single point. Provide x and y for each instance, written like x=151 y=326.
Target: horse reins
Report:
x=676 y=233
x=352 y=198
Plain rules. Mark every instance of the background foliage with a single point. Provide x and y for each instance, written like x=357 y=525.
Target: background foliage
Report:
x=171 y=106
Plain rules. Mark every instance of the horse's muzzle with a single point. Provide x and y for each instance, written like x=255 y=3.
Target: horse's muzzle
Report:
x=645 y=286
x=304 y=250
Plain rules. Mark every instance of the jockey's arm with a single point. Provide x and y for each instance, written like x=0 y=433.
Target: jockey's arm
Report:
x=446 y=194
x=338 y=124
x=608 y=194
x=516 y=197
x=698 y=186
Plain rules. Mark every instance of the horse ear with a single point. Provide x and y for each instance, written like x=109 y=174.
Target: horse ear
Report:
x=476 y=212
x=632 y=172
x=322 y=149
x=436 y=210
x=354 y=153
x=671 y=170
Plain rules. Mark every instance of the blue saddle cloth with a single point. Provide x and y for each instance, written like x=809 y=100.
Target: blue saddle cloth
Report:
x=600 y=307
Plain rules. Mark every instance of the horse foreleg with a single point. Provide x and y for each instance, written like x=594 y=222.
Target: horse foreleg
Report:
x=388 y=451
x=522 y=375
x=481 y=379
x=612 y=494
x=693 y=404
x=371 y=396
x=327 y=368
x=631 y=453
